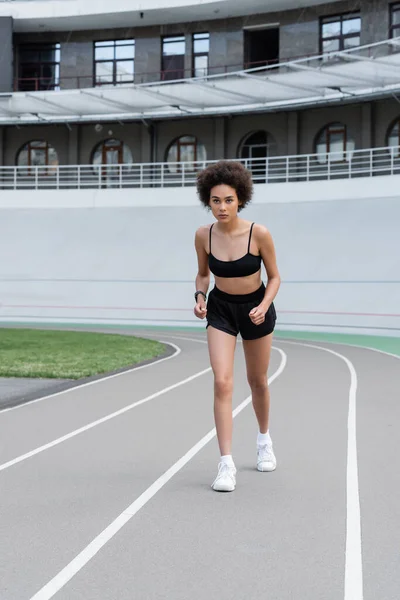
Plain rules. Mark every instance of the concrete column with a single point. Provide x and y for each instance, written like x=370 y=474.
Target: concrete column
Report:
x=148 y=143
x=366 y=125
x=154 y=151
x=2 y=145
x=293 y=133
x=147 y=58
x=299 y=38
x=2 y=132
x=220 y=149
x=375 y=23
x=226 y=51
x=73 y=149
x=6 y=55
x=188 y=55
x=76 y=65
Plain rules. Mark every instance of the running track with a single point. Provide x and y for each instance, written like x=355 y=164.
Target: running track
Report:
x=105 y=488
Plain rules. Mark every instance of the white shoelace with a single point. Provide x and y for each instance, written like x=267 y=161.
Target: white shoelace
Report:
x=225 y=470
x=265 y=453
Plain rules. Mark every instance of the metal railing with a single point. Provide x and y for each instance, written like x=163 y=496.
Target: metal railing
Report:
x=273 y=169
x=314 y=59
x=68 y=82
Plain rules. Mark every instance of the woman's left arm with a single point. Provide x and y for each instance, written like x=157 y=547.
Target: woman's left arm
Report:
x=267 y=251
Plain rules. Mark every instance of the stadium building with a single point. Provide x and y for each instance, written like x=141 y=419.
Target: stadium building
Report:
x=108 y=111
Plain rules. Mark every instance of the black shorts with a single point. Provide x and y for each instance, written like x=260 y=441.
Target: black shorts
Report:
x=230 y=313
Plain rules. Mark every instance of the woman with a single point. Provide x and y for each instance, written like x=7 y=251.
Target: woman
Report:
x=239 y=303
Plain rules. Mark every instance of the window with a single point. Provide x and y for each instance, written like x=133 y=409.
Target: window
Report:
x=201 y=48
x=173 y=58
x=108 y=156
x=186 y=149
x=340 y=32
x=112 y=152
x=334 y=142
x=256 y=147
x=38 y=67
x=37 y=153
x=114 y=62
x=395 y=20
x=394 y=138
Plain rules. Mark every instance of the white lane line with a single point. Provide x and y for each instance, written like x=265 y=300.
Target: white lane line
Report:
x=373 y=350
x=279 y=339
x=353 y=588
x=190 y=339
x=117 y=413
x=99 y=380
x=66 y=574
x=186 y=339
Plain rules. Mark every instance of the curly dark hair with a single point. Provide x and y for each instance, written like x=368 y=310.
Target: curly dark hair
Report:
x=229 y=173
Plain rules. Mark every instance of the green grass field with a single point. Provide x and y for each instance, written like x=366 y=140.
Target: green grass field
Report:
x=70 y=354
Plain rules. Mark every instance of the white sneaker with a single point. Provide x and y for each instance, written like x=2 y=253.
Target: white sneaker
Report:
x=226 y=478
x=266 y=460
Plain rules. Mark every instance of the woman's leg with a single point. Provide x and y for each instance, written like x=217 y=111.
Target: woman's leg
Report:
x=221 y=347
x=257 y=354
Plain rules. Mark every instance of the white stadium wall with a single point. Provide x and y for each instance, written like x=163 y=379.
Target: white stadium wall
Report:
x=127 y=256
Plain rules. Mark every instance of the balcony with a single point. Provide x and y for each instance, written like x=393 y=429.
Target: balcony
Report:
x=367 y=72
x=279 y=169
x=41 y=84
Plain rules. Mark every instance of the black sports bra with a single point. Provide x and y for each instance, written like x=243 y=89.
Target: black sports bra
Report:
x=242 y=267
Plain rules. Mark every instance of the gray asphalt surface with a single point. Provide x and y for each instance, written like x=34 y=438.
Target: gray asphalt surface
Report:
x=19 y=390
x=280 y=535
x=15 y=390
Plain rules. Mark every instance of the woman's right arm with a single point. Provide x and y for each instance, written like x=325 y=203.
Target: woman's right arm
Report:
x=203 y=272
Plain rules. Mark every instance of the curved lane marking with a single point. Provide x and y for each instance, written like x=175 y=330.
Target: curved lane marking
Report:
x=353 y=562
x=66 y=574
x=117 y=413
x=99 y=380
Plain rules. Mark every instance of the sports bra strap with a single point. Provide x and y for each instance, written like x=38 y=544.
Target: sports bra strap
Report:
x=251 y=231
x=209 y=250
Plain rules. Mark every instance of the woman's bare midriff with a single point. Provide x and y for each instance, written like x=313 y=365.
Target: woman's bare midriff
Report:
x=239 y=285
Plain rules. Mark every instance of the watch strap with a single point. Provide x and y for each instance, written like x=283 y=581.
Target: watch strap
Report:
x=199 y=292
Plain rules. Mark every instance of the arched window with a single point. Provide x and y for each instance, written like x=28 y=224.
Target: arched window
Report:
x=185 y=149
x=37 y=153
x=394 y=138
x=334 y=141
x=255 y=148
x=256 y=145
x=259 y=144
x=112 y=152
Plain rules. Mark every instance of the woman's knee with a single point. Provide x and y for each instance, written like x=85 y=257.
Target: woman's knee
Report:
x=223 y=385
x=258 y=383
